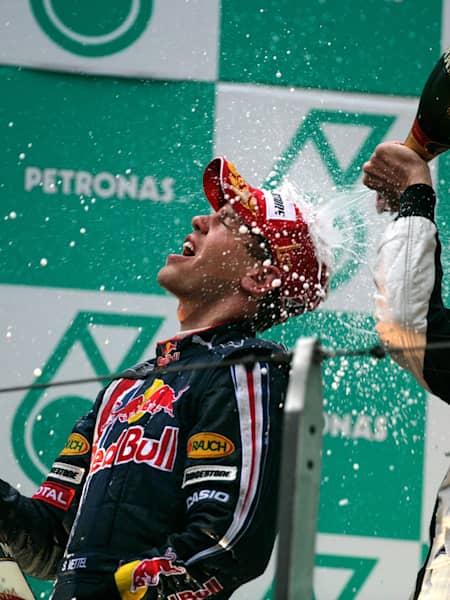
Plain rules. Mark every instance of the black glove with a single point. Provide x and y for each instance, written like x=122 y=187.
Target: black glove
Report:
x=8 y=500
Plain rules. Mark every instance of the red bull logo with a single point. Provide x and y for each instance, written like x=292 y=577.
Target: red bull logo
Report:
x=158 y=397
x=148 y=571
x=169 y=354
x=209 y=588
x=133 y=446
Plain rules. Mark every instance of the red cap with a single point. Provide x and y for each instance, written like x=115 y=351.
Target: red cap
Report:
x=277 y=216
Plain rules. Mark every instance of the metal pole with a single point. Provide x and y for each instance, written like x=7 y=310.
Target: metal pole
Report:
x=300 y=475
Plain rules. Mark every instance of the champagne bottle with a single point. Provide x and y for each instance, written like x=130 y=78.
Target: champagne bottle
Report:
x=430 y=133
x=13 y=585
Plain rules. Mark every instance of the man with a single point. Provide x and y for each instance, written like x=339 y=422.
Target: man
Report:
x=167 y=489
x=410 y=313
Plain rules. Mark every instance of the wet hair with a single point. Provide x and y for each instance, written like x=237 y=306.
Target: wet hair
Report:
x=269 y=309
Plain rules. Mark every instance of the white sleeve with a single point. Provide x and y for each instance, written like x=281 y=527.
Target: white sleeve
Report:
x=404 y=278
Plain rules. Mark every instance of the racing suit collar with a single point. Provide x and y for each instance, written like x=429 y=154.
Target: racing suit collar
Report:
x=169 y=350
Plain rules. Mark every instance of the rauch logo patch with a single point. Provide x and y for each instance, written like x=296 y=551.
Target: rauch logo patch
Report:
x=75 y=445
x=209 y=445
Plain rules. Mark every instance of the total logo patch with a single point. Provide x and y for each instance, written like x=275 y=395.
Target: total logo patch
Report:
x=209 y=445
x=56 y=494
x=76 y=445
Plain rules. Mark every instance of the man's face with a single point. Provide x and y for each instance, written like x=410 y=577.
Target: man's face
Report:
x=214 y=259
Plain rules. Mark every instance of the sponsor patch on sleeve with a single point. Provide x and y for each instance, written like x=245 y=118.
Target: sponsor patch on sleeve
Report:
x=77 y=444
x=67 y=472
x=56 y=494
x=209 y=445
x=208 y=473
x=203 y=495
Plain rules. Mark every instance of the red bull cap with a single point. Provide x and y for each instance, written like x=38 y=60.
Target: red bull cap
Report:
x=302 y=258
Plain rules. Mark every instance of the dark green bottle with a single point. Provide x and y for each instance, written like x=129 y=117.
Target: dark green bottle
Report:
x=430 y=133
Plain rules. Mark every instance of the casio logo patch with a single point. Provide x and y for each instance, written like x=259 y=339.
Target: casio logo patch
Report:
x=209 y=445
x=216 y=495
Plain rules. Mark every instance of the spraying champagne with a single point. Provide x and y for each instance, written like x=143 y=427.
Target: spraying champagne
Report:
x=13 y=585
x=430 y=133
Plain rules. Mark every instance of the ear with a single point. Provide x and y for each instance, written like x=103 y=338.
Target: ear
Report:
x=259 y=280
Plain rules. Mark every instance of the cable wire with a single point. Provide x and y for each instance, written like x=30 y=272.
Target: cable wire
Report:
x=250 y=359
x=377 y=351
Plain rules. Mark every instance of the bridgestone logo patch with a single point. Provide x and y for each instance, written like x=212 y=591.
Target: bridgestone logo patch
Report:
x=207 y=473
x=67 y=472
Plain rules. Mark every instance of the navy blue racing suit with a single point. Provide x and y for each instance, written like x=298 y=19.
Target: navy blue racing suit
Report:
x=167 y=488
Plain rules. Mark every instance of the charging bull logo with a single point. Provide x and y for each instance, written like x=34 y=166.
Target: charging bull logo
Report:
x=148 y=571
x=169 y=353
x=158 y=397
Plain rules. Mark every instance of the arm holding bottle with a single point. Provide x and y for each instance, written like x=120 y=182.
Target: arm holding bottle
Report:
x=408 y=304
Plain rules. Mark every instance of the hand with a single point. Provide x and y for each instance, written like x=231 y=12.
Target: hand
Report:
x=390 y=170
x=8 y=496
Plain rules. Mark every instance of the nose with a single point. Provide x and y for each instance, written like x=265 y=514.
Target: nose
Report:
x=201 y=223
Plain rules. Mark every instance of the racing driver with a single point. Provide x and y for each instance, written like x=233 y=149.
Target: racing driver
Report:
x=166 y=489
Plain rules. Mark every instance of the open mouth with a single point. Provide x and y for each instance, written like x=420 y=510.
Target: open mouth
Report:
x=188 y=248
